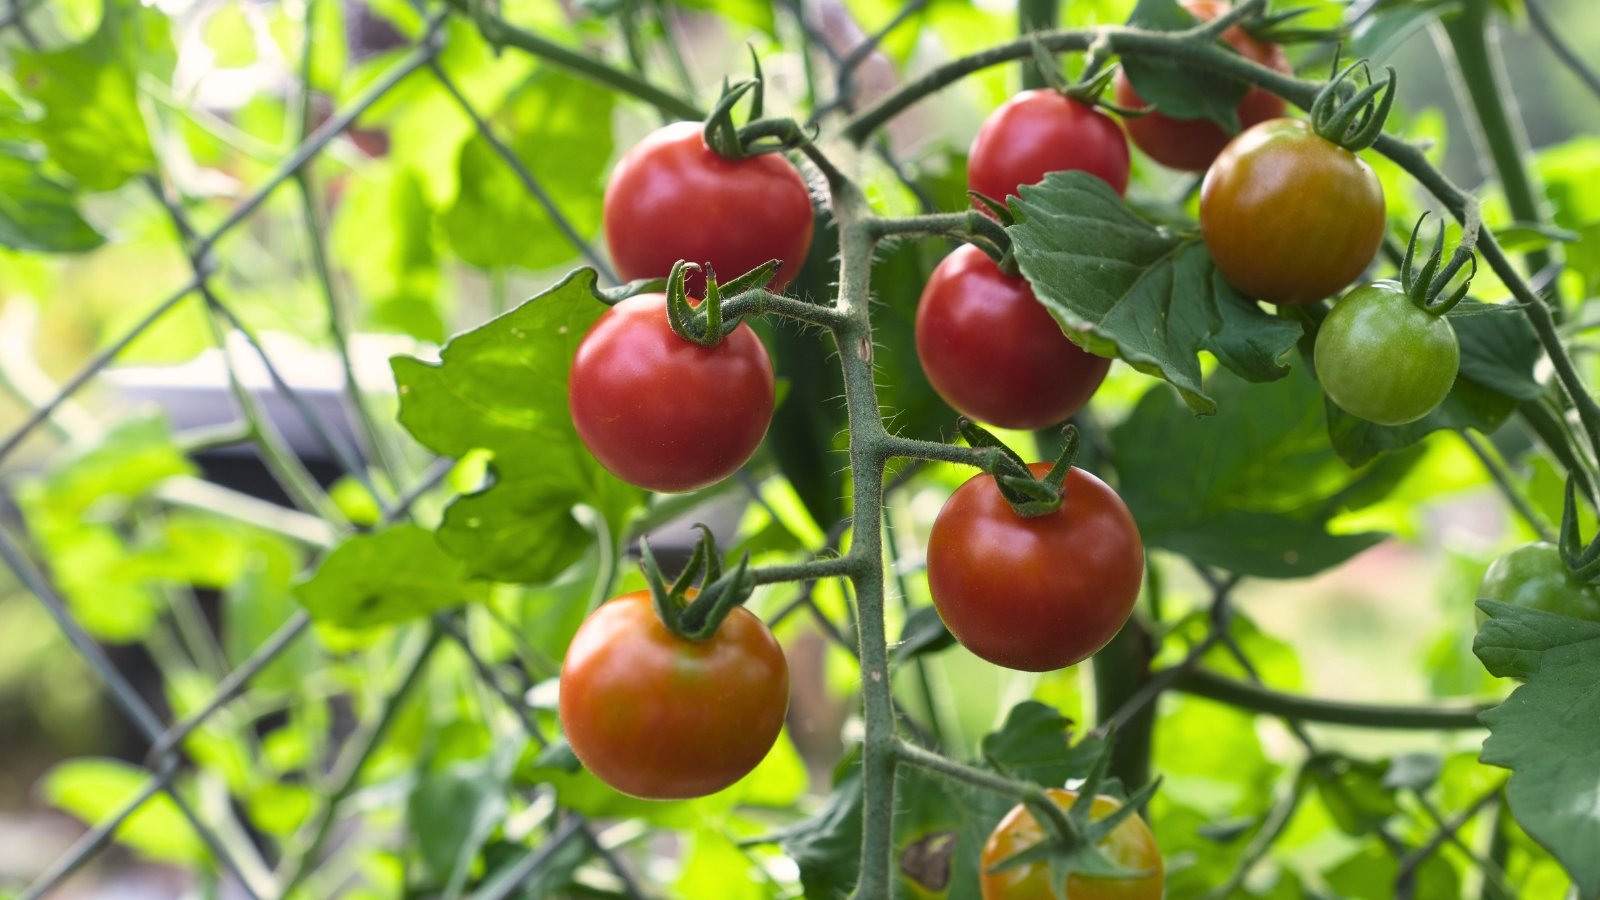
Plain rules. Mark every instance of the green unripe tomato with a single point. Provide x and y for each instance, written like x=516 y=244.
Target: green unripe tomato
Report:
x=1534 y=576
x=1381 y=357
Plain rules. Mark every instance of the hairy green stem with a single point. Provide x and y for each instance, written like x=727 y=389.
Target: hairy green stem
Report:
x=1203 y=683
x=1547 y=32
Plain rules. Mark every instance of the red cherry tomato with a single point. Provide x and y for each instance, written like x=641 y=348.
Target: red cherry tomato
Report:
x=1039 y=132
x=1191 y=144
x=662 y=717
x=672 y=197
x=1130 y=845
x=1036 y=593
x=661 y=412
x=1289 y=216
x=993 y=352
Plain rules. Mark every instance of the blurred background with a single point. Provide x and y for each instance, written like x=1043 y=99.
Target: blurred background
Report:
x=426 y=234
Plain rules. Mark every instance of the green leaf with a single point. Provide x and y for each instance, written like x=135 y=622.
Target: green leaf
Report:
x=716 y=867
x=387 y=576
x=924 y=633
x=1122 y=287
x=452 y=812
x=502 y=387
x=1034 y=744
x=552 y=123
x=37 y=213
x=1180 y=90
x=1548 y=731
x=383 y=237
x=69 y=514
x=1256 y=485
x=1567 y=173
x=92 y=124
x=1356 y=793
x=827 y=846
x=254 y=607
x=1498 y=354
x=1370 y=873
x=96 y=789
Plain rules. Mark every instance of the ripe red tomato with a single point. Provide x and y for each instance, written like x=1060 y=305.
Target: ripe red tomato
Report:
x=672 y=197
x=1036 y=593
x=661 y=717
x=993 y=351
x=1289 y=216
x=1191 y=144
x=661 y=412
x=1130 y=845
x=1038 y=132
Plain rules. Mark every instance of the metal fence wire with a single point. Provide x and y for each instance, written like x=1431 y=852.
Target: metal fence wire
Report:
x=235 y=853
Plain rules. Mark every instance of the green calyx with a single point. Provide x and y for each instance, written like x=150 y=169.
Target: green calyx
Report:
x=1090 y=88
x=1426 y=285
x=1350 y=117
x=699 y=618
x=1073 y=836
x=707 y=325
x=1582 y=559
x=758 y=135
x=1029 y=496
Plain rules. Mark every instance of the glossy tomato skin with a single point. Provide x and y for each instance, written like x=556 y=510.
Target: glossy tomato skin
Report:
x=1288 y=216
x=1534 y=576
x=993 y=352
x=671 y=197
x=1191 y=144
x=661 y=717
x=1381 y=358
x=1038 y=593
x=1038 y=132
x=661 y=412
x=1131 y=845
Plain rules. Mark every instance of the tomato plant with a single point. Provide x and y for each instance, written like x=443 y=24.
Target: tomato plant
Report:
x=1035 y=593
x=1534 y=576
x=1192 y=144
x=661 y=412
x=672 y=197
x=1042 y=131
x=992 y=351
x=1382 y=357
x=1288 y=216
x=1129 y=845
x=662 y=717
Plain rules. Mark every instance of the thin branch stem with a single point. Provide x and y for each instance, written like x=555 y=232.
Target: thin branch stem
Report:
x=1508 y=489
x=498 y=32
x=1547 y=32
x=1204 y=683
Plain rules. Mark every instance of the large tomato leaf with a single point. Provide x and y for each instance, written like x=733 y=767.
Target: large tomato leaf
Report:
x=502 y=387
x=1179 y=89
x=1498 y=353
x=387 y=576
x=1548 y=731
x=1120 y=286
x=1253 y=488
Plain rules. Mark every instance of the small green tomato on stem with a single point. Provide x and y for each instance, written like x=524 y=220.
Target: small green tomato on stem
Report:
x=1387 y=353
